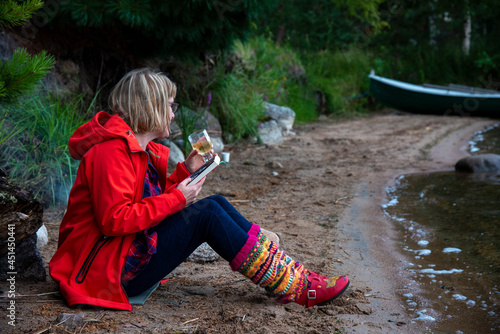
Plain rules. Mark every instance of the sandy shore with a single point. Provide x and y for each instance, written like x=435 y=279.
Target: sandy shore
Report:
x=325 y=202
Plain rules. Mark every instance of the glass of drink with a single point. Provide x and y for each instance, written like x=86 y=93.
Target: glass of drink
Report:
x=202 y=143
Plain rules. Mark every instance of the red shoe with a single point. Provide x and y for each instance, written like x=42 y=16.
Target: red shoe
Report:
x=322 y=291
x=312 y=274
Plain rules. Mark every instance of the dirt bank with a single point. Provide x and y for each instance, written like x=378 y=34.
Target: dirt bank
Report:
x=324 y=202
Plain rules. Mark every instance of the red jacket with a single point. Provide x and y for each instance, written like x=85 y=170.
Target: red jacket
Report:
x=106 y=209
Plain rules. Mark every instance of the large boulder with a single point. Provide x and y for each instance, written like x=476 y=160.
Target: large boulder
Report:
x=482 y=163
x=284 y=116
x=175 y=155
x=270 y=133
x=28 y=264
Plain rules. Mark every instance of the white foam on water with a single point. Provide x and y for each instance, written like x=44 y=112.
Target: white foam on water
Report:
x=408 y=295
x=411 y=303
x=459 y=297
x=424 y=252
x=451 y=250
x=392 y=202
x=437 y=272
x=470 y=303
x=423 y=243
x=425 y=317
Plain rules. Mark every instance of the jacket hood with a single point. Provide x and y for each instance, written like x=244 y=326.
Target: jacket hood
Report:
x=101 y=128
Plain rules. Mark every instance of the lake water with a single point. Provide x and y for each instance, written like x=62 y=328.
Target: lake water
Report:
x=451 y=235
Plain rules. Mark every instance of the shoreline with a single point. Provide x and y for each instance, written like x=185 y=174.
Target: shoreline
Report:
x=442 y=157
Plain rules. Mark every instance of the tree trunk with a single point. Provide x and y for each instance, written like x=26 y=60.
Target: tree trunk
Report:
x=20 y=217
x=467 y=32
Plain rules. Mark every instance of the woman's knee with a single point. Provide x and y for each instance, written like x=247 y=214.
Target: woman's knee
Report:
x=218 y=198
x=207 y=205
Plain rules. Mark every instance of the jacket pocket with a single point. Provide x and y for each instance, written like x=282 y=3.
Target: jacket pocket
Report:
x=82 y=273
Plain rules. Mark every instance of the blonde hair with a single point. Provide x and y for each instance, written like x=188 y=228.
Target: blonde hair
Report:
x=141 y=100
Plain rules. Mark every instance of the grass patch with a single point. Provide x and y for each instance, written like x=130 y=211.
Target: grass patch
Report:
x=37 y=157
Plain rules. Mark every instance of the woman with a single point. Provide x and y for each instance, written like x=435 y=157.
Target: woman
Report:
x=128 y=225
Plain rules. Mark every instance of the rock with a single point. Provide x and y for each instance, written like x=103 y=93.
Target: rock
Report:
x=19 y=211
x=175 y=155
x=482 y=163
x=284 y=116
x=270 y=133
x=363 y=308
x=20 y=218
x=71 y=320
x=274 y=165
x=203 y=254
x=218 y=144
x=67 y=76
x=42 y=237
x=28 y=264
x=7 y=46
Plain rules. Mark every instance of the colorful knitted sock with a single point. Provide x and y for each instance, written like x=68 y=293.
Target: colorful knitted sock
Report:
x=271 y=268
x=262 y=238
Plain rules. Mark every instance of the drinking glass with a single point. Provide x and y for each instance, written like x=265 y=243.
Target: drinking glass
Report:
x=202 y=143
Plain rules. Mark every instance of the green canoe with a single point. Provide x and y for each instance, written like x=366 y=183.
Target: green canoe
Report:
x=437 y=100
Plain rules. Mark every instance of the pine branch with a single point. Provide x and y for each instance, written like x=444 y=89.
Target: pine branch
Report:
x=135 y=13
x=2 y=89
x=87 y=12
x=21 y=73
x=15 y=14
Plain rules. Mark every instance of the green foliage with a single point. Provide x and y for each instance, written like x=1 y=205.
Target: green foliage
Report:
x=133 y=13
x=238 y=107
x=260 y=70
x=5 y=132
x=365 y=10
x=189 y=121
x=253 y=72
x=37 y=158
x=339 y=75
x=14 y=14
x=20 y=74
x=281 y=78
x=315 y=25
x=168 y=27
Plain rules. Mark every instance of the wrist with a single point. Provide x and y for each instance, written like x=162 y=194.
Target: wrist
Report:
x=187 y=168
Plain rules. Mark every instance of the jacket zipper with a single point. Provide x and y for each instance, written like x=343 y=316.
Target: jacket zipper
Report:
x=82 y=273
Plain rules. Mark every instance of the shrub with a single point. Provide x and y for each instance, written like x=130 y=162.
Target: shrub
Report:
x=339 y=75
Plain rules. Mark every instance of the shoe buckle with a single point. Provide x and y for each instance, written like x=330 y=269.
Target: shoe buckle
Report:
x=311 y=294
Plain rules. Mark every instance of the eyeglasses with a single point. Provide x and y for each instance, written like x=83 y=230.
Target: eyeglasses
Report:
x=174 y=106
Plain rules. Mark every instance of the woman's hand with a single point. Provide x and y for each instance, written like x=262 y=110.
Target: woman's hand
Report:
x=190 y=192
x=195 y=160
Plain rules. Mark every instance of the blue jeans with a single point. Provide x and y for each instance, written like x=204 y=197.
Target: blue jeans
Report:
x=213 y=220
